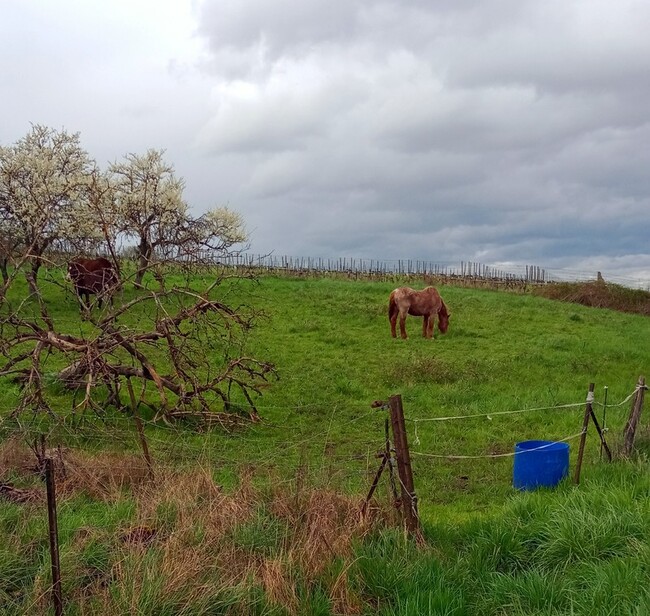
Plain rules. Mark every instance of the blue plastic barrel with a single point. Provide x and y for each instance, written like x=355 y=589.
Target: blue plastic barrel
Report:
x=539 y=464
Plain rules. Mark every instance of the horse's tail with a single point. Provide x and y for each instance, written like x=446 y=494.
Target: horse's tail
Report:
x=443 y=317
x=392 y=307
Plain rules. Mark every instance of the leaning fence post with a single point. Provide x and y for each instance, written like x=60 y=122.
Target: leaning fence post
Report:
x=375 y=482
x=601 y=436
x=635 y=414
x=404 y=470
x=583 y=437
x=57 y=598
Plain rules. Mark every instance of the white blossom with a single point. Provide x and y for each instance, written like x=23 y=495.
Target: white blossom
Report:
x=44 y=188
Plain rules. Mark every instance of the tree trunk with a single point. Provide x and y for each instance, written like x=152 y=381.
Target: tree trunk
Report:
x=4 y=269
x=144 y=257
x=32 y=275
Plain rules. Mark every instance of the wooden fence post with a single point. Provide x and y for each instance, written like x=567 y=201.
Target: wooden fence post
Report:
x=404 y=470
x=57 y=598
x=583 y=437
x=140 y=429
x=633 y=421
x=391 y=462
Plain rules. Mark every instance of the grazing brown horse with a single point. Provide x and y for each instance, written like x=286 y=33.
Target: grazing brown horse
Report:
x=426 y=303
x=93 y=277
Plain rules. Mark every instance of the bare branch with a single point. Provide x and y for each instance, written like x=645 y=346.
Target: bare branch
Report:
x=188 y=343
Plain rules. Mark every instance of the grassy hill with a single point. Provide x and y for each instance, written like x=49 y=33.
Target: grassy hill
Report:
x=263 y=520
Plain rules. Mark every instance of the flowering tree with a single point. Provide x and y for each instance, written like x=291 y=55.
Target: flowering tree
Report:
x=218 y=230
x=43 y=190
x=150 y=208
x=184 y=341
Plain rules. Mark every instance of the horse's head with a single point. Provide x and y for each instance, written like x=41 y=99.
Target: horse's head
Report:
x=72 y=271
x=443 y=319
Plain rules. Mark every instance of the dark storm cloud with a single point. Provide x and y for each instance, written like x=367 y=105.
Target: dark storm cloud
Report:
x=505 y=130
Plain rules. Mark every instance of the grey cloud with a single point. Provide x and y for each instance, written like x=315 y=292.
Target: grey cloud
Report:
x=558 y=47
x=495 y=130
x=279 y=26
x=278 y=115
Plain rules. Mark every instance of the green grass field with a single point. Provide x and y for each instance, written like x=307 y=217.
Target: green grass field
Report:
x=237 y=515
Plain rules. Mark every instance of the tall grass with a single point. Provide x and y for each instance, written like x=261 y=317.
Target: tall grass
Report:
x=184 y=545
x=265 y=520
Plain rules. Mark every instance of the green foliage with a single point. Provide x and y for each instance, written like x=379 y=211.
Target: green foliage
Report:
x=406 y=580
x=490 y=550
x=263 y=534
x=17 y=571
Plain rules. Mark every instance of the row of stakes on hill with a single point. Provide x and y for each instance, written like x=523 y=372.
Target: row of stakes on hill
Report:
x=376 y=267
x=395 y=454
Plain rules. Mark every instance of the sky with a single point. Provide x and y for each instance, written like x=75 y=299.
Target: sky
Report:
x=505 y=132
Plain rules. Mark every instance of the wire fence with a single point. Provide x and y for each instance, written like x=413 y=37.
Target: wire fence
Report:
x=473 y=416
x=174 y=444
x=509 y=454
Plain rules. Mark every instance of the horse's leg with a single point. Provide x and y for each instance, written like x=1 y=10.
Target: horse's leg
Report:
x=393 y=312
x=425 y=325
x=393 y=323
x=402 y=324
x=430 y=329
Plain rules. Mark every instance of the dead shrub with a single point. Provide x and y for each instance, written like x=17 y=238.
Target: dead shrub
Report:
x=598 y=294
x=101 y=476
x=324 y=524
x=15 y=457
x=279 y=584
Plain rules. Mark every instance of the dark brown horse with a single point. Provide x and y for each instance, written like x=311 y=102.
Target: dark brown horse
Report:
x=426 y=303
x=93 y=277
